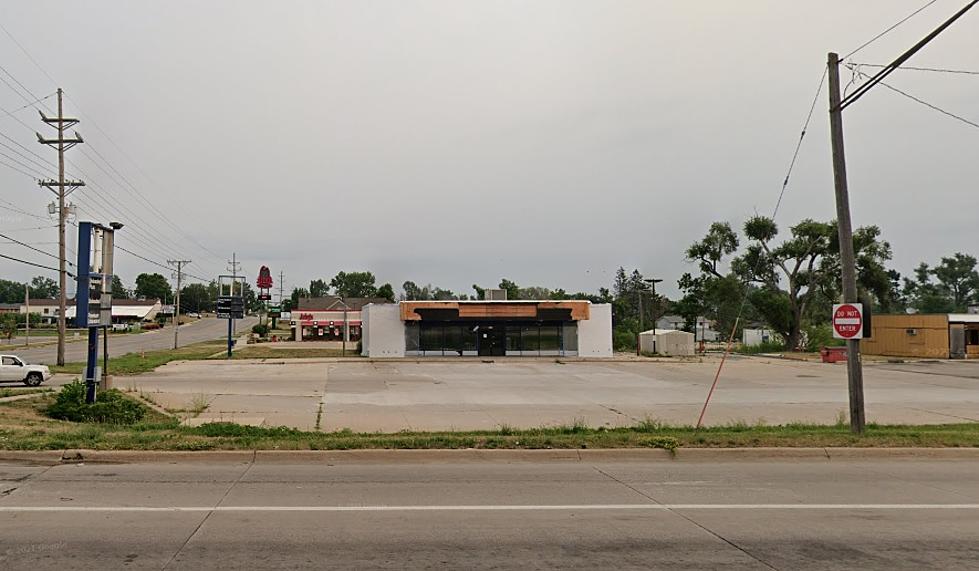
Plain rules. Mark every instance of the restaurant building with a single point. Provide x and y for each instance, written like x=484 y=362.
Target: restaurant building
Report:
x=330 y=318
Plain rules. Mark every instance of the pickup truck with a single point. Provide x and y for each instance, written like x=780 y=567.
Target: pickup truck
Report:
x=13 y=368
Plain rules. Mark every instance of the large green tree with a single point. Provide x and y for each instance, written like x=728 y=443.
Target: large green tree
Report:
x=956 y=285
x=792 y=277
x=196 y=298
x=354 y=284
x=11 y=291
x=153 y=286
x=119 y=290
x=44 y=288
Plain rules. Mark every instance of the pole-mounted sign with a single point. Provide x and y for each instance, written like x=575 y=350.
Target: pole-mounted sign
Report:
x=231 y=302
x=848 y=321
x=93 y=294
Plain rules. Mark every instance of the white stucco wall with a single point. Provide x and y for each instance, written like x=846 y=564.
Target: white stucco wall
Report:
x=595 y=333
x=384 y=332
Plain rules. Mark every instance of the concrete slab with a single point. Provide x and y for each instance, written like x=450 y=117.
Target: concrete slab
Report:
x=391 y=396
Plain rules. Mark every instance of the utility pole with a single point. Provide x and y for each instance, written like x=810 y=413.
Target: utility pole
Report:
x=281 y=277
x=27 y=317
x=62 y=188
x=176 y=311
x=234 y=263
x=854 y=368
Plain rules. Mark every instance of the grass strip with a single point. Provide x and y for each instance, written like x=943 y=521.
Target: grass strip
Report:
x=261 y=351
x=146 y=361
x=23 y=427
x=16 y=391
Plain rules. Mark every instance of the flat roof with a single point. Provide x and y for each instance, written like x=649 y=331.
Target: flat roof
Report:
x=963 y=317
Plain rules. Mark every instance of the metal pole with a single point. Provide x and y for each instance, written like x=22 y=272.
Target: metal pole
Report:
x=230 y=327
x=105 y=358
x=93 y=350
x=854 y=367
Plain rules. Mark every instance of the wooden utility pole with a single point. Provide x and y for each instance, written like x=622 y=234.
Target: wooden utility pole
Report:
x=854 y=367
x=27 y=316
x=62 y=188
x=176 y=310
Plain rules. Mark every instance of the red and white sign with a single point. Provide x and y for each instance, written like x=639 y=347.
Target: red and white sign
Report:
x=848 y=321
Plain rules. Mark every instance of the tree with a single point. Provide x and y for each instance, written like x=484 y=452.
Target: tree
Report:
x=44 y=288
x=808 y=262
x=293 y=301
x=11 y=292
x=354 y=284
x=956 y=287
x=152 y=286
x=480 y=292
x=318 y=288
x=958 y=277
x=8 y=325
x=386 y=291
x=512 y=289
x=119 y=290
x=414 y=293
x=196 y=298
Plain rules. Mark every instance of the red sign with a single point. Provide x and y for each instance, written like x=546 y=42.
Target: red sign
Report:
x=264 y=280
x=848 y=321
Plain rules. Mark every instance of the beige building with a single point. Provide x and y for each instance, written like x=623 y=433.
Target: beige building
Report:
x=937 y=336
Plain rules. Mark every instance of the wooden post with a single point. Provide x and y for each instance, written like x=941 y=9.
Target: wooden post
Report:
x=847 y=263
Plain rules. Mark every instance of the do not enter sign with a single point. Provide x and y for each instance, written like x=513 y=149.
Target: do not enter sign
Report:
x=848 y=321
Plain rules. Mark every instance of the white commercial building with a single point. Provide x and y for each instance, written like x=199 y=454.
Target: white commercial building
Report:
x=487 y=328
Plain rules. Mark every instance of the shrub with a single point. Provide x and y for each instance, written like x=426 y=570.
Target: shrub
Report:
x=766 y=347
x=110 y=407
x=260 y=329
x=819 y=336
x=624 y=340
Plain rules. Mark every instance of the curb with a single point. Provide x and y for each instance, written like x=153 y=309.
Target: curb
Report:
x=387 y=456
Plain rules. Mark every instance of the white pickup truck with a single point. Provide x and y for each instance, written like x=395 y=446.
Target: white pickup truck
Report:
x=13 y=368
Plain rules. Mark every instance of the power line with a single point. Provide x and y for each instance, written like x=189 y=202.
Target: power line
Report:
x=889 y=68
x=121 y=206
x=33 y=264
x=26 y=245
x=778 y=204
x=922 y=102
x=912 y=68
x=888 y=30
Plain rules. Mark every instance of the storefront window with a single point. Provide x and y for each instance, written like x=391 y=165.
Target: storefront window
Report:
x=431 y=339
x=513 y=339
x=452 y=340
x=550 y=339
x=569 y=338
x=530 y=339
x=411 y=337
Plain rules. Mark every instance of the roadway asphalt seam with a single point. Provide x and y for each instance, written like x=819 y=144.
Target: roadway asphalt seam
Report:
x=688 y=518
x=211 y=511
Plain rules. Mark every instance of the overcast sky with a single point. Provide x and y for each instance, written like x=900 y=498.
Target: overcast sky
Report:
x=458 y=142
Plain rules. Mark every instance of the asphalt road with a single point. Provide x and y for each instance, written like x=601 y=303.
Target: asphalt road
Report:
x=203 y=330
x=481 y=513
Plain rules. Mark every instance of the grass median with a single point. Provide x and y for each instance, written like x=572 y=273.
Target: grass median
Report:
x=23 y=426
x=146 y=361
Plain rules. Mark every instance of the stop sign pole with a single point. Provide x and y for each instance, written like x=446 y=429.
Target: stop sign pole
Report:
x=854 y=368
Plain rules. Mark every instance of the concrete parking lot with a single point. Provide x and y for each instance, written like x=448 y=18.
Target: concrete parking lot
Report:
x=418 y=395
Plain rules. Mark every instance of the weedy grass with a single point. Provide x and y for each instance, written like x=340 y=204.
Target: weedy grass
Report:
x=23 y=426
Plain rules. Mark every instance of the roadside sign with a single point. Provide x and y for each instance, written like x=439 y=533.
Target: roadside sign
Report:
x=848 y=321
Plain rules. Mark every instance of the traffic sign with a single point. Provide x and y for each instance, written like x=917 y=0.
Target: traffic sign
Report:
x=848 y=321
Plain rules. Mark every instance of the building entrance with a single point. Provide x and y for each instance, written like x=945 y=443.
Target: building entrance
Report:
x=491 y=341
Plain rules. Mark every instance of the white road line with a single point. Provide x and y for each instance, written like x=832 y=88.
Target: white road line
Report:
x=435 y=508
